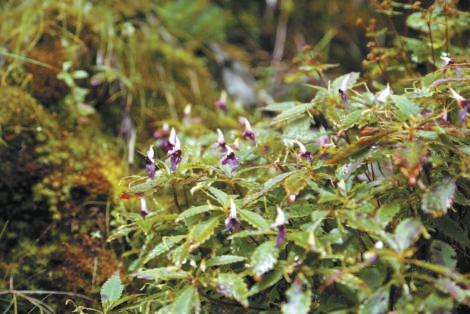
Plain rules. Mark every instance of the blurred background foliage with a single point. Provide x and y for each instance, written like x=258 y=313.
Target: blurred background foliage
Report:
x=86 y=83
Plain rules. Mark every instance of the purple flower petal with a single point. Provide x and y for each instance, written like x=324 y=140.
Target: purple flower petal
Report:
x=222 y=102
x=230 y=159
x=281 y=234
x=344 y=96
x=248 y=132
x=150 y=163
x=279 y=223
x=220 y=142
x=175 y=159
x=232 y=223
x=150 y=170
x=232 y=220
x=463 y=112
x=174 y=150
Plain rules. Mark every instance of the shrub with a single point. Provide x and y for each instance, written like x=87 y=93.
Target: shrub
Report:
x=355 y=201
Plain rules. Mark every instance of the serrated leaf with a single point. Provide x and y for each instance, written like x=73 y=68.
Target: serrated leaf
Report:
x=360 y=146
x=111 y=291
x=407 y=233
x=294 y=184
x=280 y=106
x=196 y=211
x=263 y=259
x=386 y=212
x=443 y=254
x=406 y=108
x=121 y=232
x=267 y=187
x=220 y=196
x=188 y=302
x=166 y=245
x=149 y=185
x=224 y=260
x=345 y=277
x=302 y=210
x=451 y=288
x=439 y=197
x=232 y=286
x=352 y=118
x=293 y=112
x=250 y=233
x=180 y=254
x=267 y=281
x=253 y=219
x=202 y=231
x=378 y=302
x=162 y=273
x=298 y=299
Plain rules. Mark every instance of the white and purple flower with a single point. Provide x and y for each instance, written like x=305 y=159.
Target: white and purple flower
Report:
x=279 y=224
x=230 y=159
x=232 y=220
x=174 y=150
x=220 y=142
x=248 y=132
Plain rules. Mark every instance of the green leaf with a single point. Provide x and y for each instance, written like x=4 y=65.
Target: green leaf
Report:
x=451 y=288
x=406 y=108
x=387 y=211
x=253 y=219
x=378 y=302
x=196 y=211
x=267 y=187
x=180 y=254
x=443 y=254
x=358 y=147
x=263 y=259
x=220 y=196
x=298 y=299
x=111 y=291
x=121 y=232
x=302 y=210
x=294 y=112
x=202 y=231
x=224 y=260
x=188 y=302
x=80 y=74
x=232 y=286
x=345 y=277
x=250 y=233
x=166 y=245
x=162 y=273
x=439 y=197
x=267 y=281
x=149 y=185
x=352 y=118
x=407 y=233
x=280 y=106
x=294 y=184
x=410 y=158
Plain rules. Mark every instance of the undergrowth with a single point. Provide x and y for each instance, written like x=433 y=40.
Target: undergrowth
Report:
x=353 y=202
